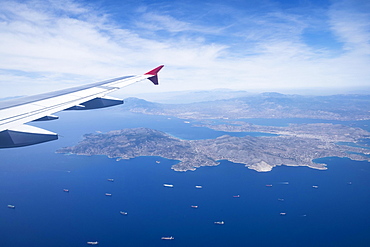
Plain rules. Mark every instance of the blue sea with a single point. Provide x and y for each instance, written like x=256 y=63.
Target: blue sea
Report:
x=336 y=213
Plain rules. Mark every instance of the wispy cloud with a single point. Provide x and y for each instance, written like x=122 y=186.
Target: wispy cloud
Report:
x=158 y=22
x=350 y=21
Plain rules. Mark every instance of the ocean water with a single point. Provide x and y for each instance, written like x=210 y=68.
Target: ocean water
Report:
x=33 y=178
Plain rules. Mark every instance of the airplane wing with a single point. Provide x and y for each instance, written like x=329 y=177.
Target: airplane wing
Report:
x=14 y=114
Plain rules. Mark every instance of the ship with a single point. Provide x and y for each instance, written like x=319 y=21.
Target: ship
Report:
x=194 y=206
x=123 y=213
x=280 y=199
x=93 y=243
x=108 y=194
x=219 y=222
x=66 y=190
x=157 y=161
x=167 y=238
x=110 y=179
x=11 y=206
x=282 y=213
x=268 y=185
x=168 y=185
x=237 y=196
x=198 y=186
x=315 y=186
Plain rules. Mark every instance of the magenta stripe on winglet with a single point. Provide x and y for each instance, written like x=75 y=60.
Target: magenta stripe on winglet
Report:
x=154 y=71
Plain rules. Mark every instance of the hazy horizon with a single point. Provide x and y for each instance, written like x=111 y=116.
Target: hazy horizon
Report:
x=193 y=96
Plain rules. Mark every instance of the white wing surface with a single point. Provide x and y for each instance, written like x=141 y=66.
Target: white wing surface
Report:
x=14 y=114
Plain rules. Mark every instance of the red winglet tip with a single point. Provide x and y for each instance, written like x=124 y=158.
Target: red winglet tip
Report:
x=154 y=71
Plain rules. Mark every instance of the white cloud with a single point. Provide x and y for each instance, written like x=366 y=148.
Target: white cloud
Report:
x=53 y=45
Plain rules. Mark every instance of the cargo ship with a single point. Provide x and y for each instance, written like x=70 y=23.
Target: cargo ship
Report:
x=93 y=243
x=167 y=238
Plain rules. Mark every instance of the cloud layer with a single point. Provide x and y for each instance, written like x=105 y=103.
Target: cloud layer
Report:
x=46 y=45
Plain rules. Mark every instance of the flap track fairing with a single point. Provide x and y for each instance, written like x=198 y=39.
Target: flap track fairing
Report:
x=96 y=103
x=24 y=136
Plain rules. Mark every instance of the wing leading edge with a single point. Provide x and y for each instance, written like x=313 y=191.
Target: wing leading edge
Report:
x=15 y=113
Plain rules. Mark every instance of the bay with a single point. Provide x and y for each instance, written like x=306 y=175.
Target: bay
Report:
x=33 y=178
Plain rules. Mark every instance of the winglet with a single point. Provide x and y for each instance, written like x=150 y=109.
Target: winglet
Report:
x=154 y=72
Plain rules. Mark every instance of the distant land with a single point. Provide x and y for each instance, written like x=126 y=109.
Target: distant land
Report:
x=192 y=96
x=265 y=105
x=184 y=97
x=294 y=145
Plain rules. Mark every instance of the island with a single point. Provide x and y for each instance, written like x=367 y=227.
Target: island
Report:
x=295 y=145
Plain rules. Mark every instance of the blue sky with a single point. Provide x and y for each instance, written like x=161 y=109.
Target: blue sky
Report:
x=266 y=45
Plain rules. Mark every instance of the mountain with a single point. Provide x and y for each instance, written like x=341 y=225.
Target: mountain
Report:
x=185 y=97
x=265 y=105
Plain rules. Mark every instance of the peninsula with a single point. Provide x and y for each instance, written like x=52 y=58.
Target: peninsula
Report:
x=296 y=145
